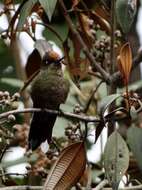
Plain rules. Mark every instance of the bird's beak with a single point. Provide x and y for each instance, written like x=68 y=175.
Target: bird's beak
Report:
x=59 y=60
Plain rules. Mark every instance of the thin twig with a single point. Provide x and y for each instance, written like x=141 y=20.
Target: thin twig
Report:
x=87 y=52
x=95 y=74
x=67 y=115
x=3 y=152
x=112 y=49
x=24 y=187
x=112 y=87
x=105 y=182
x=91 y=97
x=10 y=174
x=101 y=185
x=125 y=188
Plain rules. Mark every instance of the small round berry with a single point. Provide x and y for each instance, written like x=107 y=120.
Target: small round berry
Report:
x=16 y=96
x=6 y=94
x=1 y=94
x=11 y=117
x=7 y=103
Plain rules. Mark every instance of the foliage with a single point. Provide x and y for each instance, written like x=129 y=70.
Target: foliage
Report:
x=98 y=64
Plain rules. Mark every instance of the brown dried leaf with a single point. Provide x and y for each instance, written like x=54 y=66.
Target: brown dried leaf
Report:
x=68 y=169
x=102 y=11
x=79 y=70
x=86 y=29
x=78 y=67
x=120 y=66
x=104 y=24
x=37 y=8
x=8 y=2
x=86 y=177
x=75 y=3
x=66 y=52
x=126 y=61
x=76 y=47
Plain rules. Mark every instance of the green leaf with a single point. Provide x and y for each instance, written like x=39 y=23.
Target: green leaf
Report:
x=116 y=159
x=25 y=11
x=12 y=82
x=49 y=7
x=134 y=137
x=61 y=28
x=106 y=101
x=126 y=11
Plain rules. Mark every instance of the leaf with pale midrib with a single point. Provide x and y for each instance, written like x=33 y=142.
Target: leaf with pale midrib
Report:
x=116 y=159
x=68 y=168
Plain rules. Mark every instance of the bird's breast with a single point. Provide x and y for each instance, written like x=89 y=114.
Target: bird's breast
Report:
x=49 y=92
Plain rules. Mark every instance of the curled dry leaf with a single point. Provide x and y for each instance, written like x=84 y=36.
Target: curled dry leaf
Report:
x=86 y=32
x=68 y=168
x=125 y=62
x=78 y=67
x=104 y=24
x=102 y=10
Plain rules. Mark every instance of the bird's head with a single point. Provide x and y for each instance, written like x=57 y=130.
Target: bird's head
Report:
x=51 y=57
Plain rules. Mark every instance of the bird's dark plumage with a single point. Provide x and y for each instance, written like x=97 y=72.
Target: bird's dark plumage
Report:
x=48 y=90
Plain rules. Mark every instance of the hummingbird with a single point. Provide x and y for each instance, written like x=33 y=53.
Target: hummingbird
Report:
x=49 y=89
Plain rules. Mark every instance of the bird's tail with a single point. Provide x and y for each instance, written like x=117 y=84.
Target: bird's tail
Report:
x=41 y=129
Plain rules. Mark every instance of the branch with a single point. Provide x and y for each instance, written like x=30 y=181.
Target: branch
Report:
x=112 y=87
x=105 y=182
x=24 y=187
x=60 y=113
x=89 y=55
x=112 y=49
x=101 y=185
x=125 y=188
x=92 y=96
x=109 y=79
